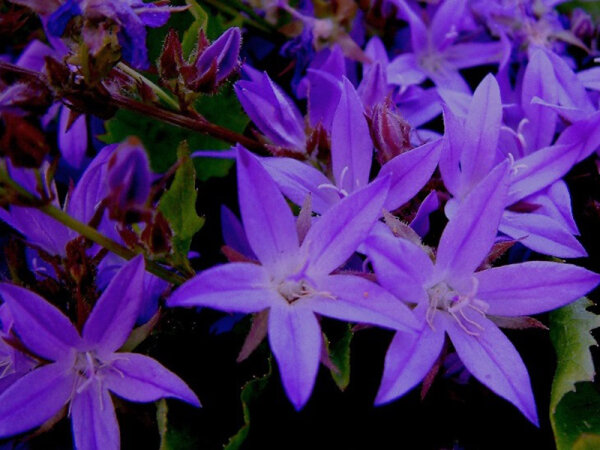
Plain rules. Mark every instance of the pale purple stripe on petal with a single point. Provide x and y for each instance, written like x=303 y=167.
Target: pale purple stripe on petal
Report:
x=295 y=338
x=533 y=287
x=139 y=378
x=95 y=425
x=495 y=362
x=357 y=299
x=117 y=309
x=42 y=327
x=269 y=223
x=35 y=398
x=401 y=266
x=235 y=287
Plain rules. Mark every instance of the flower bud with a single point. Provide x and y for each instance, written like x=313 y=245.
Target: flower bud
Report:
x=389 y=131
x=273 y=112
x=129 y=181
x=214 y=63
x=582 y=24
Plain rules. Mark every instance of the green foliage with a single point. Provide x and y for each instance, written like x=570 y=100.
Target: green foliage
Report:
x=573 y=410
x=592 y=7
x=339 y=355
x=251 y=390
x=172 y=438
x=190 y=37
x=178 y=205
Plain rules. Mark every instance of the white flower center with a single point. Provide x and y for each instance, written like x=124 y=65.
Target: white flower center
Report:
x=444 y=298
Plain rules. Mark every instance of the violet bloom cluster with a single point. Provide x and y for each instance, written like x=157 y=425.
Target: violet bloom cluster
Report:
x=82 y=370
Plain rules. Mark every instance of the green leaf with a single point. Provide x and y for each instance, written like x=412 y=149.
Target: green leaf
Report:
x=339 y=355
x=190 y=37
x=178 y=205
x=587 y=441
x=592 y=7
x=570 y=329
x=577 y=415
x=172 y=438
x=251 y=390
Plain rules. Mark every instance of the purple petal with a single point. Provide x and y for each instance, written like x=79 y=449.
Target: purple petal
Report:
x=533 y=287
x=323 y=97
x=542 y=234
x=481 y=131
x=234 y=234
x=590 y=78
x=351 y=145
x=419 y=106
x=297 y=179
x=570 y=90
x=401 y=266
x=454 y=137
x=421 y=221
x=409 y=172
x=540 y=169
x=35 y=398
x=272 y=112
x=419 y=37
x=495 y=362
x=539 y=81
x=91 y=188
x=115 y=312
x=555 y=202
x=95 y=425
x=447 y=77
x=225 y=51
x=44 y=329
x=471 y=54
x=470 y=234
x=269 y=223
x=239 y=287
x=446 y=21
x=295 y=339
x=373 y=88
x=33 y=57
x=405 y=71
x=338 y=233
x=139 y=378
x=356 y=299
x=408 y=359
x=585 y=135
x=72 y=142
x=376 y=51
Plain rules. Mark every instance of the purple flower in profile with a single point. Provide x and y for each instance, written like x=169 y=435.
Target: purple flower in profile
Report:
x=452 y=297
x=293 y=279
x=273 y=112
x=84 y=368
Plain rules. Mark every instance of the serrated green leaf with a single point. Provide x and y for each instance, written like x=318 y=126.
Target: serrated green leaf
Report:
x=570 y=329
x=172 y=438
x=251 y=390
x=577 y=414
x=571 y=412
x=178 y=205
x=339 y=355
x=190 y=37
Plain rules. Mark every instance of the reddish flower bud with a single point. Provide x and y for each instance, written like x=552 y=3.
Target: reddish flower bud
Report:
x=171 y=57
x=389 y=131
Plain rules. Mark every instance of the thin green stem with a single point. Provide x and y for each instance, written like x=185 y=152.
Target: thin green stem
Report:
x=85 y=230
x=160 y=93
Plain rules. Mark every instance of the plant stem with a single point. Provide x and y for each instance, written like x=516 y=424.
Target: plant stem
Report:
x=198 y=124
x=85 y=230
x=160 y=93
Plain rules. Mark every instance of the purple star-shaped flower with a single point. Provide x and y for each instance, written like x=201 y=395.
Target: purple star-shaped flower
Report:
x=453 y=297
x=84 y=367
x=293 y=279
